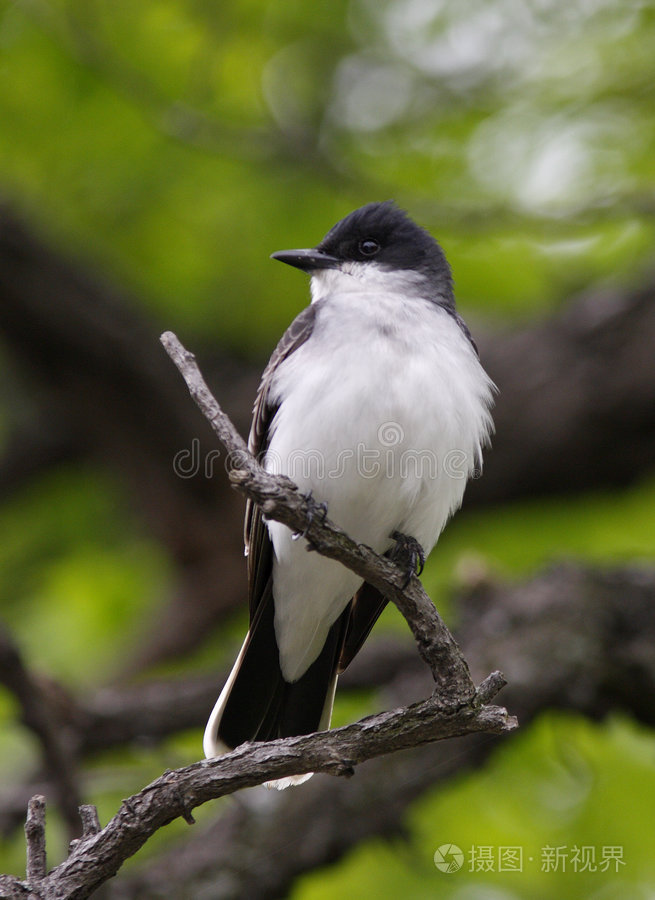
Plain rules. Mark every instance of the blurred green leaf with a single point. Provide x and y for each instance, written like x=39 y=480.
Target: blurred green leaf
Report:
x=171 y=146
x=558 y=784
x=78 y=578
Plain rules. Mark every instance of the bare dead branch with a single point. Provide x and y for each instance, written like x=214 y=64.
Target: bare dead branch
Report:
x=35 y=840
x=90 y=820
x=98 y=856
x=36 y=708
x=455 y=708
x=572 y=637
x=281 y=500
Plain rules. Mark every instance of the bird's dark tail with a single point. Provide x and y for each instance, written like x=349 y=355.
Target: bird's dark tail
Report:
x=257 y=704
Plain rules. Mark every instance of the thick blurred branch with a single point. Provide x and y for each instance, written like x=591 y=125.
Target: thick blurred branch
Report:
x=576 y=407
x=39 y=715
x=530 y=623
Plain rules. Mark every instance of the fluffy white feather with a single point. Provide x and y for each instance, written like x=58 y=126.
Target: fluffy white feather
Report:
x=383 y=413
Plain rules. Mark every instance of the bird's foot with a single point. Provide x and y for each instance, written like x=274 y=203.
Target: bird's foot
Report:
x=315 y=508
x=408 y=554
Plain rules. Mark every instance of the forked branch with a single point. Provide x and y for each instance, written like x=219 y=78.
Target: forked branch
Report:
x=455 y=708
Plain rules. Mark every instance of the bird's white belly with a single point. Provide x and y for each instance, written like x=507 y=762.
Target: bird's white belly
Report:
x=383 y=416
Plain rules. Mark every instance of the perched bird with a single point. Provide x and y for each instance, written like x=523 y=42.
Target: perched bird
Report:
x=375 y=402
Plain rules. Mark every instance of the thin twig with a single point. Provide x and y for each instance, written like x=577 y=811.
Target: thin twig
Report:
x=90 y=820
x=35 y=840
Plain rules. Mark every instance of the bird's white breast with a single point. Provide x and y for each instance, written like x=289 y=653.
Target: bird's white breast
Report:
x=383 y=413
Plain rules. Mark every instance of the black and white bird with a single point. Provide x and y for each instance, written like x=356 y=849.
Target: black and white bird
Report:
x=374 y=401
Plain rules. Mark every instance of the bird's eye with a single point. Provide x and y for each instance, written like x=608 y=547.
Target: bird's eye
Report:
x=368 y=247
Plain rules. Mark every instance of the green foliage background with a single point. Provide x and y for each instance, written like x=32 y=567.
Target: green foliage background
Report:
x=171 y=145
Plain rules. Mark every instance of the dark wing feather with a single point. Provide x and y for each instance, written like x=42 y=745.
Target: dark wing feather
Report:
x=257 y=541
x=365 y=609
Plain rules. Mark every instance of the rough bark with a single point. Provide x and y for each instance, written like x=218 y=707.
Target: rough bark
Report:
x=98 y=855
x=571 y=638
x=280 y=500
x=456 y=707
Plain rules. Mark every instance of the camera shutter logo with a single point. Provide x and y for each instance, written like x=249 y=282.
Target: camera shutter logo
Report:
x=448 y=858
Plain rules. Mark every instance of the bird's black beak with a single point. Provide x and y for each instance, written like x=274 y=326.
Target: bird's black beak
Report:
x=307 y=259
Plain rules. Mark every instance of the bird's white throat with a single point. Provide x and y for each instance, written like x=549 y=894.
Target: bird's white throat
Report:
x=359 y=277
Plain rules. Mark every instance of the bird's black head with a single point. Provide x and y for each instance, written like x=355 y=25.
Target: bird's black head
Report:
x=383 y=235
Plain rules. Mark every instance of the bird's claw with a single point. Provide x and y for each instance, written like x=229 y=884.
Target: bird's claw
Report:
x=407 y=553
x=313 y=508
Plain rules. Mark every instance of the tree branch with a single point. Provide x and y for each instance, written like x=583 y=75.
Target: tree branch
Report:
x=454 y=709
x=281 y=500
x=572 y=637
x=37 y=712
x=35 y=839
x=98 y=856
x=576 y=403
